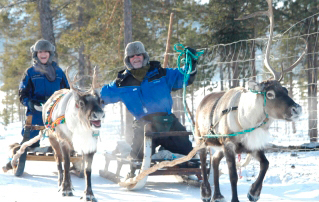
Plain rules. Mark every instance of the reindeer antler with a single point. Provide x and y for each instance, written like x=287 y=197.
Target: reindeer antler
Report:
x=73 y=81
x=277 y=75
x=94 y=85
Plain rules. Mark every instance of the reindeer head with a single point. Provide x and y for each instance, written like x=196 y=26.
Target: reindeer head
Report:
x=278 y=103
x=88 y=102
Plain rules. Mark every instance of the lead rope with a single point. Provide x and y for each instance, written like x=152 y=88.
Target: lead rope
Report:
x=186 y=71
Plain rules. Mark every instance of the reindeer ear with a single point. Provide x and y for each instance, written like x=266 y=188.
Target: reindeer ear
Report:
x=253 y=85
x=76 y=96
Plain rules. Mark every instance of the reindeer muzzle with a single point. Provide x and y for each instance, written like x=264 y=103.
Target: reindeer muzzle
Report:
x=295 y=111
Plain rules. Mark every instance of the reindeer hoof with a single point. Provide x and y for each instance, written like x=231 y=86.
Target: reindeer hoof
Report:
x=252 y=198
x=206 y=199
x=4 y=169
x=89 y=198
x=67 y=193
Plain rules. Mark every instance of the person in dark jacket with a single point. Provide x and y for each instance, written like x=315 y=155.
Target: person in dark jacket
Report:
x=39 y=82
x=145 y=88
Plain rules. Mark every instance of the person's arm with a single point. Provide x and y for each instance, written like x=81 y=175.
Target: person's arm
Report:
x=64 y=82
x=25 y=89
x=109 y=94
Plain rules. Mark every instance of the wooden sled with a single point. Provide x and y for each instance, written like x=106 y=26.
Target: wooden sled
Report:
x=147 y=162
x=44 y=155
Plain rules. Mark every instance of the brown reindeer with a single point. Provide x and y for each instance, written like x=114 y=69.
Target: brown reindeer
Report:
x=238 y=121
x=83 y=114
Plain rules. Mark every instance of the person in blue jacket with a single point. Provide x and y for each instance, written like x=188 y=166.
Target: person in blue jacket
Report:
x=145 y=88
x=39 y=82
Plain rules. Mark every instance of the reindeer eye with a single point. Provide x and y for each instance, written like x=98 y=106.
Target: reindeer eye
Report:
x=81 y=103
x=271 y=94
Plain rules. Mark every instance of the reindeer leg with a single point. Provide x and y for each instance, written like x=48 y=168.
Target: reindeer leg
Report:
x=205 y=190
x=229 y=149
x=217 y=157
x=58 y=158
x=66 y=183
x=88 y=158
x=255 y=189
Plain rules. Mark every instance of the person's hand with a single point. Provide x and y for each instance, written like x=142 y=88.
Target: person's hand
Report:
x=193 y=51
x=34 y=105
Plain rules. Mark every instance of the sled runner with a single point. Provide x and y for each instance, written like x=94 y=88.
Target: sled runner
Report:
x=181 y=171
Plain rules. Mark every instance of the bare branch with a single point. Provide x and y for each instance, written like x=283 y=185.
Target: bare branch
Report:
x=17 y=3
x=253 y=15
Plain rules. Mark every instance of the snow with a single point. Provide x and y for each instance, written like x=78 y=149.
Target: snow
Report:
x=289 y=178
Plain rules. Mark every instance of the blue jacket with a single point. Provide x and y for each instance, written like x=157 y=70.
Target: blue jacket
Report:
x=35 y=86
x=150 y=96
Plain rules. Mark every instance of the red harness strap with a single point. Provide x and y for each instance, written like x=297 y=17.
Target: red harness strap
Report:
x=59 y=120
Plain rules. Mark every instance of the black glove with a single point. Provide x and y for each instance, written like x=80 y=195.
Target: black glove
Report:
x=194 y=62
x=31 y=104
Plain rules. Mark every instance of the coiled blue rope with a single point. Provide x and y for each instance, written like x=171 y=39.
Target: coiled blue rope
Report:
x=186 y=71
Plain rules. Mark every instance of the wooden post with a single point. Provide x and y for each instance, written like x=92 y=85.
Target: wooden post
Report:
x=168 y=40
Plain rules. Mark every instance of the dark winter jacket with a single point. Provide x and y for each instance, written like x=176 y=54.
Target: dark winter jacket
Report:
x=150 y=96
x=35 y=86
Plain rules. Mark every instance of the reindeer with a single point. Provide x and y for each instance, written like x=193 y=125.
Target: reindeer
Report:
x=238 y=121
x=83 y=114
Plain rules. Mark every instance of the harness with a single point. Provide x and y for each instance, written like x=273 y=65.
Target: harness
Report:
x=60 y=120
x=226 y=111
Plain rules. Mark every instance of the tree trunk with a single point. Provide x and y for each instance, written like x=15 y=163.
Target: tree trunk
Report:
x=221 y=73
x=127 y=39
x=291 y=87
x=312 y=75
x=229 y=75
x=81 y=57
x=253 y=62
x=46 y=22
x=234 y=67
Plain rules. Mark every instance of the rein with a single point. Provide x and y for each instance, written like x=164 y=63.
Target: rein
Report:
x=188 y=67
x=226 y=111
x=59 y=120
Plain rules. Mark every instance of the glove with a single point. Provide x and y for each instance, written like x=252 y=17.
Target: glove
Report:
x=34 y=105
x=194 y=62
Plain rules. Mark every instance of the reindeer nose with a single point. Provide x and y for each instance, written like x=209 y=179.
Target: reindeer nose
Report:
x=97 y=115
x=296 y=109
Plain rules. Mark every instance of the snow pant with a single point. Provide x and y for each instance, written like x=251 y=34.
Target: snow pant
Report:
x=36 y=120
x=175 y=144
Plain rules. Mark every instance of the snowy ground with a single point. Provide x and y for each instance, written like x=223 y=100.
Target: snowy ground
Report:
x=290 y=178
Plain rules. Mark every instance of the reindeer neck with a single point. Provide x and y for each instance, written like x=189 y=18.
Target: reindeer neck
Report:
x=251 y=109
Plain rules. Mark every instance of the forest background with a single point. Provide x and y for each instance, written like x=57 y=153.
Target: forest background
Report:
x=94 y=33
